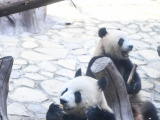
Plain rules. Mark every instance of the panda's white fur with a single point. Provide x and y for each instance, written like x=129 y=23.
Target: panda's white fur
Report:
x=109 y=44
x=91 y=94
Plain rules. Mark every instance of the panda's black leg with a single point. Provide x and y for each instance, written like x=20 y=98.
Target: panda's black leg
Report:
x=149 y=112
x=54 y=112
x=96 y=113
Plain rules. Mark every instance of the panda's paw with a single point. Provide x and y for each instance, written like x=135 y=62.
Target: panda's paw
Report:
x=54 y=112
x=97 y=113
x=129 y=89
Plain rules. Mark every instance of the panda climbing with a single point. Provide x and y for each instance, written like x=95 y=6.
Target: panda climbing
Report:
x=82 y=99
x=115 y=45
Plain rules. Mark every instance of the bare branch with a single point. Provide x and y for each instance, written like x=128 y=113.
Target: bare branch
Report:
x=132 y=73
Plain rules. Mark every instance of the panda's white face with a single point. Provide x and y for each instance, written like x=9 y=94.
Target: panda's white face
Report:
x=116 y=44
x=79 y=94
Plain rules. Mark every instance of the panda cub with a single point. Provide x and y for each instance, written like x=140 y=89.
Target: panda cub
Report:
x=82 y=99
x=115 y=45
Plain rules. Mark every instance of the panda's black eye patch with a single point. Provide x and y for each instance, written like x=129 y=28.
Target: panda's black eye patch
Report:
x=77 y=97
x=120 y=42
x=64 y=91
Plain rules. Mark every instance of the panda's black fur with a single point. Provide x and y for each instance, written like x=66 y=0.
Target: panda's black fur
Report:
x=91 y=113
x=126 y=65
x=142 y=110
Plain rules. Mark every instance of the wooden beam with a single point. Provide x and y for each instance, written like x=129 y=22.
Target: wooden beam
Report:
x=116 y=93
x=8 y=7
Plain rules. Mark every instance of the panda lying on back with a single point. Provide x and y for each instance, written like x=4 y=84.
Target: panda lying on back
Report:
x=82 y=99
x=115 y=45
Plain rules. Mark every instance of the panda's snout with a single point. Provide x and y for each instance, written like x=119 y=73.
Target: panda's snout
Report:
x=130 y=47
x=62 y=101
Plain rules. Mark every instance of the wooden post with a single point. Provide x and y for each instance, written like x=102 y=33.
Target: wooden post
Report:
x=5 y=71
x=158 y=50
x=116 y=93
x=8 y=7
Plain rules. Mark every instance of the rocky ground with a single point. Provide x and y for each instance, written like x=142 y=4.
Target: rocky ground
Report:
x=45 y=61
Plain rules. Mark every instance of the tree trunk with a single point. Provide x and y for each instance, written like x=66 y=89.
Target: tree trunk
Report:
x=32 y=21
x=116 y=93
x=8 y=7
x=5 y=71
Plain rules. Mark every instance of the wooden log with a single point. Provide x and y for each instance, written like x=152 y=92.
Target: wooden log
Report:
x=5 y=71
x=8 y=7
x=32 y=21
x=116 y=93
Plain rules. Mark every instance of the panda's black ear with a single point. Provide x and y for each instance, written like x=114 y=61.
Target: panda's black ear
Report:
x=119 y=29
x=78 y=72
x=103 y=82
x=102 y=32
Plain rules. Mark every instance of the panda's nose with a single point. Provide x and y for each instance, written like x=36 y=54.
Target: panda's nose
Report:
x=62 y=101
x=130 y=47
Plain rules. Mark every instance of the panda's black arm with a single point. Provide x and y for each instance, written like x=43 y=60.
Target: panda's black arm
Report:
x=135 y=85
x=72 y=117
x=54 y=112
x=89 y=72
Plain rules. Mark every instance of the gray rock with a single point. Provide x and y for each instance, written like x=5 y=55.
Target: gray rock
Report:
x=17 y=109
x=24 y=94
x=35 y=76
x=154 y=65
x=70 y=64
x=16 y=67
x=54 y=53
x=41 y=116
x=79 y=52
x=28 y=39
x=49 y=44
x=20 y=62
x=145 y=94
x=36 y=108
x=140 y=45
x=29 y=45
x=84 y=58
x=149 y=55
x=52 y=87
x=47 y=74
x=146 y=85
x=66 y=73
x=31 y=68
x=138 y=62
x=157 y=88
x=16 y=74
x=11 y=117
x=23 y=82
x=34 y=56
x=47 y=66
x=151 y=72
x=47 y=104
x=157 y=97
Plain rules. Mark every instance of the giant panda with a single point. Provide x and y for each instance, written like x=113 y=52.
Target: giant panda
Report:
x=115 y=45
x=82 y=99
